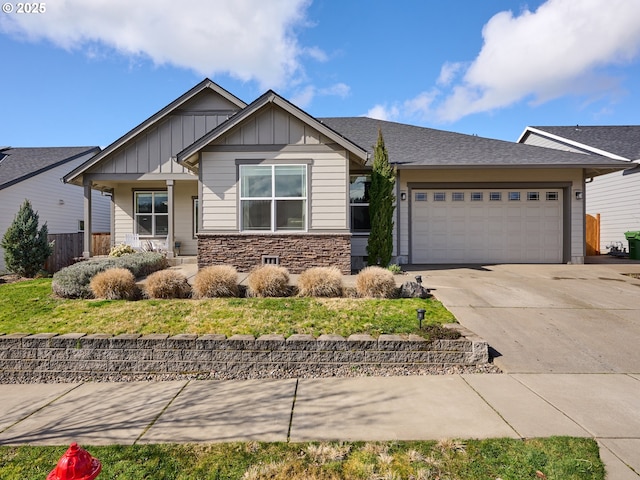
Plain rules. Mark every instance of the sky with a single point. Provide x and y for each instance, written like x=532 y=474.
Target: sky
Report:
x=85 y=72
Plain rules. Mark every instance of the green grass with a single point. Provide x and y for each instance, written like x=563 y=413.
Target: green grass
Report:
x=29 y=307
x=561 y=458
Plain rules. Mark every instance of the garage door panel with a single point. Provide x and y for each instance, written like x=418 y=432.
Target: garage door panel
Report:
x=494 y=229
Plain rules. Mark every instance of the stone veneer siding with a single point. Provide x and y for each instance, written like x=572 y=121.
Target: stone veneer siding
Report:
x=296 y=252
x=102 y=355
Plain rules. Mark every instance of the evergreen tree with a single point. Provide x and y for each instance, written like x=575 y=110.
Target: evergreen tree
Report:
x=26 y=248
x=381 y=206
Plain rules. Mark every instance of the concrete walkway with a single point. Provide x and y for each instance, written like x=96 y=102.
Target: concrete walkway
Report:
x=601 y=406
x=568 y=337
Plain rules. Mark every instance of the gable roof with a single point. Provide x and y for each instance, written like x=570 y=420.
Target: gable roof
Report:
x=614 y=141
x=410 y=147
x=75 y=175
x=19 y=164
x=188 y=156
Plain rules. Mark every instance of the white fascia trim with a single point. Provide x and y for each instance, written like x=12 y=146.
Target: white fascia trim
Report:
x=573 y=143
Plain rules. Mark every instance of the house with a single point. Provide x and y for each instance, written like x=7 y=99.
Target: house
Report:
x=266 y=182
x=36 y=174
x=615 y=197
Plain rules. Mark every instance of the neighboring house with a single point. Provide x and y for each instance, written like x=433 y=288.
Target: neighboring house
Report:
x=246 y=184
x=616 y=196
x=36 y=174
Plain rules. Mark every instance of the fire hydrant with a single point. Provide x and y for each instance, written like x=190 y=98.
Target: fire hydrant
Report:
x=76 y=464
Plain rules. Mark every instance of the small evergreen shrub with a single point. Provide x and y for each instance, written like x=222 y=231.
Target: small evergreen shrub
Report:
x=114 y=284
x=376 y=282
x=320 y=282
x=167 y=284
x=216 y=281
x=26 y=247
x=120 y=250
x=73 y=281
x=395 y=269
x=268 y=281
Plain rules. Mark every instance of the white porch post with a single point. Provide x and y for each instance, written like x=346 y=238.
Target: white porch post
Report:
x=170 y=234
x=87 y=219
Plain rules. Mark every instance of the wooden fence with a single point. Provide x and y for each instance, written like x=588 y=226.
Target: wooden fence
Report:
x=69 y=246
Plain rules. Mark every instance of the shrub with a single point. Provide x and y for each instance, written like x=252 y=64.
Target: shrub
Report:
x=167 y=284
x=73 y=281
x=120 y=250
x=395 y=269
x=320 y=282
x=268 y=281
x=376 y=282
x=216 y=281
x=114 y=284
x=26 y=247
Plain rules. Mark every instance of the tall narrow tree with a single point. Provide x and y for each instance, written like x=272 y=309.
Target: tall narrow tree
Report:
x=381 y=206
x=26 y=247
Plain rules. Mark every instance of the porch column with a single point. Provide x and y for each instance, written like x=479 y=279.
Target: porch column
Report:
x=87 y=219
x=170 y=235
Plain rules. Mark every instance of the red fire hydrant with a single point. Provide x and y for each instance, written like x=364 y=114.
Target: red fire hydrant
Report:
x=76 y=464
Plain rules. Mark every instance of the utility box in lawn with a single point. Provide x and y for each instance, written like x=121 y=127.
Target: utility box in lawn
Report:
x=634 y=244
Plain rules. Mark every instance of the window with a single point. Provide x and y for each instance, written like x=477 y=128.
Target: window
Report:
x=495 y=196
x=476 y=196
x=439 y=196
x=533 y=196
x=457 y=196
x=514 y=196
x=359 y=186
x=273 y=197
x=552 y=196
x=196 y=212
x=152 y=213
x=421 y=197
x=81 y=225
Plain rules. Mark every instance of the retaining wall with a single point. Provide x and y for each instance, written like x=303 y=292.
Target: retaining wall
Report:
x=102 y=355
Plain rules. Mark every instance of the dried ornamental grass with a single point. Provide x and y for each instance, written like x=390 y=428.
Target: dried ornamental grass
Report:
x=216 y=281
x=268 y=281
x=375 y=282
x=320 y=282
x=114 y=284
x=167 y=284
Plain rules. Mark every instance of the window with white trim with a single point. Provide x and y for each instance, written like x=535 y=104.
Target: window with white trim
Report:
x=552 y=196
x=533 y=196
x=457 y=196
x=152 y=213
x=273 y=197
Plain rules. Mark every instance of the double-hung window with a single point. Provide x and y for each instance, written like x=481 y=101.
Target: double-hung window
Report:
x=359 y=186
x=273 y=197
x=152 y=213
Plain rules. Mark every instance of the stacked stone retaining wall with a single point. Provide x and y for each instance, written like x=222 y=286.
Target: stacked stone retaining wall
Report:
x=101 y=355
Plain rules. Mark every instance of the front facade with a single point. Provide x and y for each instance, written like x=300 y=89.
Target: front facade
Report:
x=247 y=184
x=615 y=197
x=34 y=174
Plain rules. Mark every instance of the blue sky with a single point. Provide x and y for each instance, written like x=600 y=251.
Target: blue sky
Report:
x=84 y=72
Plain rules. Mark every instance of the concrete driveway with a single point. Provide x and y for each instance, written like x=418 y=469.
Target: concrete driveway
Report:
x=548 y=318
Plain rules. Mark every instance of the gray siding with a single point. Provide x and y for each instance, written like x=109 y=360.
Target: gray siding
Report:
x=541 y=141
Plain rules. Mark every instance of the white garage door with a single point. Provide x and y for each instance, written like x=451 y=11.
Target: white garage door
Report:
x=486 y=226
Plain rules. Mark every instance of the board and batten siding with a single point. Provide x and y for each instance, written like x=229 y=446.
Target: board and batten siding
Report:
x=60 y=205
x=327 y=197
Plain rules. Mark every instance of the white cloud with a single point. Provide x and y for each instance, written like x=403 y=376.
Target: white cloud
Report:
x=563 y=48
x=305 y=96
x=382 y=112
x=341 y=90
x=248 y=39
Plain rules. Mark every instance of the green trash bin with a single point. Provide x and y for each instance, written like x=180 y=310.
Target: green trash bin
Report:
x=634 y=244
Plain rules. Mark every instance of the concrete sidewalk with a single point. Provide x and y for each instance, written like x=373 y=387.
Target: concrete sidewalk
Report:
x=601 y=406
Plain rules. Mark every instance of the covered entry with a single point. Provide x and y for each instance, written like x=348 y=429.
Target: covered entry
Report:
x=486 y=225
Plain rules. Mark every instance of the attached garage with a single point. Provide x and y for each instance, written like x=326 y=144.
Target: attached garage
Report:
x=486 y=225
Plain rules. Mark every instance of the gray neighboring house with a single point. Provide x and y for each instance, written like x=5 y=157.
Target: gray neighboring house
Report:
x=36 y=174
x=229 y=182
x=615 y=196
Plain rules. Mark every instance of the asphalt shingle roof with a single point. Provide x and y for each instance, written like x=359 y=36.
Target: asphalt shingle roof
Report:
x=18 y=164
x=410 y=146
x=620 y=140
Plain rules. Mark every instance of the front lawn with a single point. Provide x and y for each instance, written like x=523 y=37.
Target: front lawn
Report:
x=560 y=458
x=30 y=307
